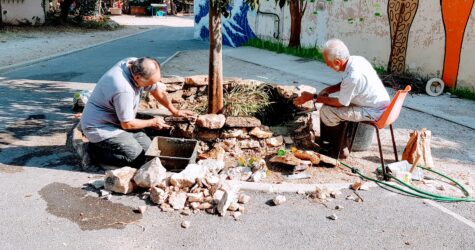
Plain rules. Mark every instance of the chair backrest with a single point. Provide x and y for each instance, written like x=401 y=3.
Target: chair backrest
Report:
x=392 y=112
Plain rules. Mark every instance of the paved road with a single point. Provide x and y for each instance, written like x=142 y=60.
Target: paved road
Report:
x=39 y=210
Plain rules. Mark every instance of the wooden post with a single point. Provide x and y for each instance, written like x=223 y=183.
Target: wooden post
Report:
x=215 y=87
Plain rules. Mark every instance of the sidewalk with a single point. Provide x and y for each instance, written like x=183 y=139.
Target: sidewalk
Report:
x=456 y=110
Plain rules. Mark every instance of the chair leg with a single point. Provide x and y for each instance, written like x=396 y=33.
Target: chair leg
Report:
x=353 y=137
x=394 y=142
x=383 y=167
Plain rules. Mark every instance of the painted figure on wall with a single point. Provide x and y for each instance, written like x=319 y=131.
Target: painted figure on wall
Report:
x=401 y=13
x=236 y=29
x=455 y=14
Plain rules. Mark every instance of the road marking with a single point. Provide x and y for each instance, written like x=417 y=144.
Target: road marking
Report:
x=453 y=214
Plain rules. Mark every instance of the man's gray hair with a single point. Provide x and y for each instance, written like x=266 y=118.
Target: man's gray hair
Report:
x=336 y=49
x=145 y=67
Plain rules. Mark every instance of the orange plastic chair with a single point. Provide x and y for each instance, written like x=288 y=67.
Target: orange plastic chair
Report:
x=389 y=116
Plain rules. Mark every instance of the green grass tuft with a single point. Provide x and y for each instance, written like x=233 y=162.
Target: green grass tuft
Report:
x=311 y=53
x=464 y=92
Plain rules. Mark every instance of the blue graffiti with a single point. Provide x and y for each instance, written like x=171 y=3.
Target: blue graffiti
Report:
x=236 y=30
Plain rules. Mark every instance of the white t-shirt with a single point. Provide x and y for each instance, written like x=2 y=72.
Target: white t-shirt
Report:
x=362 y=87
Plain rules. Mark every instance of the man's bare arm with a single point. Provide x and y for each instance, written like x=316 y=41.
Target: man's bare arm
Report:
x=156 y=123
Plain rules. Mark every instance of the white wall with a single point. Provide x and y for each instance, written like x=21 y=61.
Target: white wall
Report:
x=364 y=26
x=21 y=10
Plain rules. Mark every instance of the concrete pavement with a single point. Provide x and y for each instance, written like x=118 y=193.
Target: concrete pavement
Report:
x=33 y=156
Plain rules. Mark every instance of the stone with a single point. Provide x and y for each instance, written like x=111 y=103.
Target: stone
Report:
x=306 y=88
x=327 y=159
x=104 y=193
x=216 y=153
x=150 y=174
x=356 y=186
x=275 y=141
x=176 y=96
x=198 y=197
x=208 y=135
x=230 y=193
x=338 y=207
x=332 y=217
x=97 y=184
x=188 y=176
x=258 y=176
x=212 y=166
x=185 y=224
x=186 y=212
x=242 y=209
x=234 y=206
x=231 y=80
x=249 y=143
x=259 y=133
x=197 y=80
x=287 y=92
x=244 y=198
x=321 y=193
x=242 y=122
x=308 y=156
x=177 y=200
x=211 y=210
x=335 y=194
x=212 y=180
x=240 y=133
x=287 y=159
x=194 y=205
x=250 y=82
x=218 y=195
x=236 y=215
x=172 y=87
x=182 y=130
x=165 y=207
x=205 y=205
x=172 y=79
x=190 y=92
x=211 y=121
x=120 y=180
x=279 y=200
x=158 y=195
x=288 y=140
x=239 y=173
x=141 y=209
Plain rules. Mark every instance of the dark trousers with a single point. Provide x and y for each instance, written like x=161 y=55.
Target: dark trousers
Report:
x=125 y=149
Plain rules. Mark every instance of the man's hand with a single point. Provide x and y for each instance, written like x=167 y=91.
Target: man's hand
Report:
x=303 y=98
x=184 y=113
x=158 y=123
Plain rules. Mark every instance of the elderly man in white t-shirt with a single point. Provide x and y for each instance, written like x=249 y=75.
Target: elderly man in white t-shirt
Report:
x=361 y=94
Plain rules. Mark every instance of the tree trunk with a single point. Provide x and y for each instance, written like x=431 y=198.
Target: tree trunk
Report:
x=1 y=14
x=65 y=5
x=215 y=87
x=295 y=23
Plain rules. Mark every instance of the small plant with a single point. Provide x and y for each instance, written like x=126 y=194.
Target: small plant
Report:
x=464 y=92
x=311 y=53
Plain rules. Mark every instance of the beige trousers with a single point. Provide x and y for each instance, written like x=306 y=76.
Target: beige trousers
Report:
x=332 y=116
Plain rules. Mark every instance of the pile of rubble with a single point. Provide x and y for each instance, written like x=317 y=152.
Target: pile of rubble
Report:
x=199 y=187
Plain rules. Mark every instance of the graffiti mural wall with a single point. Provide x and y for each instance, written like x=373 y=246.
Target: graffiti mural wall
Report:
x=236 y=29
x=434 y=38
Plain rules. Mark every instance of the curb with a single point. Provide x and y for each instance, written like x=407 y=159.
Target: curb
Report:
x=9 y=68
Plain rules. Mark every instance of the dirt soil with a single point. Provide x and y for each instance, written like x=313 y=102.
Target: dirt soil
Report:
x=30 y=43
x=451 y=144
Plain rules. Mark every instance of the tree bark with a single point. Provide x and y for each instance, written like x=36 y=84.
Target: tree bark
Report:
x=296 y=13
x=215 y=87
x=65 y=5
x=1 y=14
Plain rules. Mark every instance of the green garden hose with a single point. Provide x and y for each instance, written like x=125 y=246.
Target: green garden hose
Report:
x=415 y=191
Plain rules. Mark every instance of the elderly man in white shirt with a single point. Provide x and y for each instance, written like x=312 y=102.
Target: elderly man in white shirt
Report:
x=361 y=97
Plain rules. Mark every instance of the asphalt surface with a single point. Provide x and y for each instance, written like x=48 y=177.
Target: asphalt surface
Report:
x=35 y=116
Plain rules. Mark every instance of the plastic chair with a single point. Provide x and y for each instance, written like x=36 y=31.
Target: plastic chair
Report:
x=387 y=119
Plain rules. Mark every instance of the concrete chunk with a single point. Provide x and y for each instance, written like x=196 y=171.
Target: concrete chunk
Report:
x=150 y=174
x=120 y=180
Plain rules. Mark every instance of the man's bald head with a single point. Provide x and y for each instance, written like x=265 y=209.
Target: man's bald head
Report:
x=336 y=49
x=145 y=67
